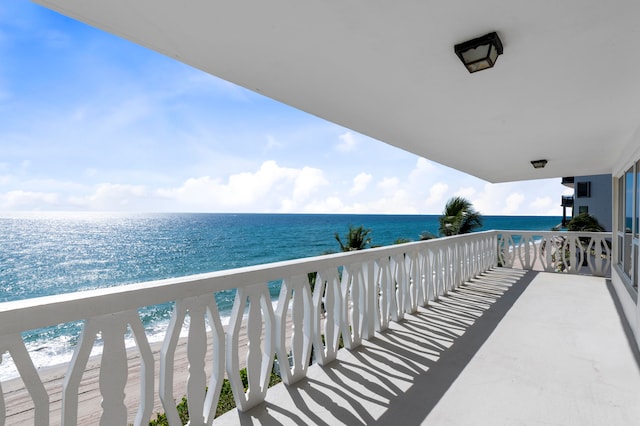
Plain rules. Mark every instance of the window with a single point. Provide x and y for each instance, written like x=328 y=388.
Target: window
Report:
x=628 y=220
x=627 y=233
x=583 y=190
x=620 y=230
x=583 y=209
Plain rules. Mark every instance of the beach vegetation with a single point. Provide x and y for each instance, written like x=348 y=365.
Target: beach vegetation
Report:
x=358 y=238
x=584 y=222
x=459 y=217
x=561 y=252
x=402 y=241
x=426 y=235
x=226 y=401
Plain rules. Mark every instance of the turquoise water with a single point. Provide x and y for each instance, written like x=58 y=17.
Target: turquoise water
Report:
x=44 y=254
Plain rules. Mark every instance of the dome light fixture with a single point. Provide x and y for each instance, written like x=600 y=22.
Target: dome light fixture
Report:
x=539 y=164
x=480 y=53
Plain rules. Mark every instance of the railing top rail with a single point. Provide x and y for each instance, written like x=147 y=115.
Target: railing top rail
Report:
x=28 y=314
x=556 y=233
x=16 y=316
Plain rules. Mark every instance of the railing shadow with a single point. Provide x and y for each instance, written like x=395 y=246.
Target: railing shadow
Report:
x=428 y=388
x=404 y=371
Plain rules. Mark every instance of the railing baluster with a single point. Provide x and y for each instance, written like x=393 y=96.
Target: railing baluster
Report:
x=429 y=278
x=167 y=355
x=459 y=272
x=386 y=299
x=329 y=329
x=413 y=280
x=567 y=252
x=259 y=358
x=75 y=371
x=439 y=272
x=421 y=279
x=113 y=371
x=113 y=368
x=352 y=305
x=196 y=352
x=399 y=274
x=294 y=291
x=202 y=399
x=359 y=313
x=147 y=370
x=371 y=299
x=15 y=346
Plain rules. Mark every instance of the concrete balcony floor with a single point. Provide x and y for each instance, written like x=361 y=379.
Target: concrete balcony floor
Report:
x=509 y=348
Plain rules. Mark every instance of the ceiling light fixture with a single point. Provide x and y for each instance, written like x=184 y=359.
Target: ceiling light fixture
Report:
x=480 y=53
x=539 y=164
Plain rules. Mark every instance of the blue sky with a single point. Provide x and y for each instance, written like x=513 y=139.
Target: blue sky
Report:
x=90 y=122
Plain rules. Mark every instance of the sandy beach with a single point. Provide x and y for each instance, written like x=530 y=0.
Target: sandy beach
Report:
x=19 y=406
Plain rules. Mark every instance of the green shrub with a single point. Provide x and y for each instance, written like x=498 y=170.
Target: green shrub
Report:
x=183 y=412
x=225 y=403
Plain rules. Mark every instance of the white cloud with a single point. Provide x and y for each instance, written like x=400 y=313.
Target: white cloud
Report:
x=115 y=197
x=542 y=203
x=27 y=200
x=519 y=198
x=274 y=188
x=307 y=181
x=400 y=202
x=512 y=203
x=348 y=142
x=389 y=184
x=468 y=192
x=422 y=171
x=436 y=195
x=360 y=183
x=331 y=204
x=270 y=188
x=4 y=180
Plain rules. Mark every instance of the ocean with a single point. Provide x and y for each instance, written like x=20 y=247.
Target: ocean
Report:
x=53 y=253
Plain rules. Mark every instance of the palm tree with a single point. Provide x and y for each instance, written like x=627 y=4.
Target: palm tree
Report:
x=459 y=217
x=357 y=239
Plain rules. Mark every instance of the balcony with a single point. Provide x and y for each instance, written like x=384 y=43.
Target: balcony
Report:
x=505 y=321
x=567 y=201
x=568 y=181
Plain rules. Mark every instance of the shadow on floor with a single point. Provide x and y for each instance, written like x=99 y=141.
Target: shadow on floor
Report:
x=404 y=371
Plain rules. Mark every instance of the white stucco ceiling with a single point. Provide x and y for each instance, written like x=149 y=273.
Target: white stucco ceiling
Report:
x=566 y=89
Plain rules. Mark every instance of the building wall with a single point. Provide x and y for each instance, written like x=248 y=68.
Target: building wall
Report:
x=599 y=203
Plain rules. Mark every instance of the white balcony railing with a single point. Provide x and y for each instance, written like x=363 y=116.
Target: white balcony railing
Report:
x=569 y=252
x=355 y=294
